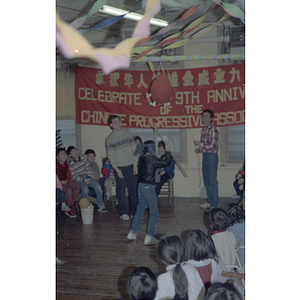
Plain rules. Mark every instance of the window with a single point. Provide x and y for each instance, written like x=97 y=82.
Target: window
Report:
x=232 y=144
x=176 y=138
x=66 y=132
x=236 y=143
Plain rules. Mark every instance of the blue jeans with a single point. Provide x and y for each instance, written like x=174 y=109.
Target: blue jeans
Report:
x=147 y=196
x=209 y=169
x=129 y=181
x=60 y=195
x=97 y=188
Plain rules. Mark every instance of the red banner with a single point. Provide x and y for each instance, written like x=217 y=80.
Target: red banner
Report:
x=221 y=89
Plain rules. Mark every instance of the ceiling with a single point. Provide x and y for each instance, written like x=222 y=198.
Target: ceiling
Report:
x=171 y=10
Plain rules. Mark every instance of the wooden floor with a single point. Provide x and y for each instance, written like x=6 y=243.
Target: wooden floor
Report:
x=99 y=258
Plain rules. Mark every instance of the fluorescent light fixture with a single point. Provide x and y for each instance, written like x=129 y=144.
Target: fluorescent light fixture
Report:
x=130 y=15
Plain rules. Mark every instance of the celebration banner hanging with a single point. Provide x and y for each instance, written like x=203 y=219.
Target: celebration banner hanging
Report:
x=130 y=95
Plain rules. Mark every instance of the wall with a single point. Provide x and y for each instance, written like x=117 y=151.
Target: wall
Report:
x=92 y=136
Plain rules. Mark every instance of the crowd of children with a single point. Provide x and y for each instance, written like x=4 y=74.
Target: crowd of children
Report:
x=193 y=272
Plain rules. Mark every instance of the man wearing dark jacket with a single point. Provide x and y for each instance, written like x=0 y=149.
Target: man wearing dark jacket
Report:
x=147 y=165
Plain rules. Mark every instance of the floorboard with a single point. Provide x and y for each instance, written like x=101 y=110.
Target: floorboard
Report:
x=99 y=258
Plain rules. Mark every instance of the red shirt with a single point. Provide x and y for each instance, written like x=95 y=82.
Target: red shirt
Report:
x=63 y=171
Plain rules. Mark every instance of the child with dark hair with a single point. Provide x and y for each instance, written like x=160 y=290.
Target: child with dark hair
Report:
x=142 y=284
x=81 y=172
x=181 y=281
x=223 y=291
x=70 y=189
x=147 y=165
x=108 y=177
x=202 y=254
x=90 y=153
x=236 y=216
x=225 y=241
x=167 y=172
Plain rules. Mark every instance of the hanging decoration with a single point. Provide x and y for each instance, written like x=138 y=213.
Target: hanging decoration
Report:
x=72 y=44
x=176 y=39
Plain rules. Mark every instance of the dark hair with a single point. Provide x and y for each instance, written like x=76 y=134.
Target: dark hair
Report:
x=161 y=144
x=210 y=112
x=70 y=148
x=138 y=138
x=219 y=219
x=150 y=147
x=200 y=246
x=170 y=249
x=142 y=284
x=223 y=291
x=89 y=151
x=235 y=213
x=59 y=150
x=111 y=117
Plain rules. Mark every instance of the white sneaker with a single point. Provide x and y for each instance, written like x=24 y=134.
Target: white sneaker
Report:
x=125 y=217
x=59 y=262
x=65 y=207
x=131 y=236
x=150 y=240
x=205 y=205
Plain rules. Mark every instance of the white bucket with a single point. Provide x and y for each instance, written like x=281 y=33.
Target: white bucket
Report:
x=87 y=214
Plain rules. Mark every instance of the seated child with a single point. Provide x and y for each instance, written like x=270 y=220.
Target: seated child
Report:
x=167 y=172
x=142 y=284
x=70 y=189
x=181 y=281
x=202 y=254
x=81 y=172
x=90 y=153
x=147 y=165
x=108 y=177
x=240 y=181
x=225 y=241
x=223 y=291
x=236 y=216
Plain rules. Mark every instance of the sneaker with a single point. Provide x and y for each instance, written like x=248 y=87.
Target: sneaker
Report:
x=131 y=236
x=150 y=240
x=71 y=213
x=60 y=262
x=124 y=217
x=205 y=205
x=102 y=209
x=65 y=207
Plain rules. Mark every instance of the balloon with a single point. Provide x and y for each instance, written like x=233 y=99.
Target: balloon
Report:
x=161 y=90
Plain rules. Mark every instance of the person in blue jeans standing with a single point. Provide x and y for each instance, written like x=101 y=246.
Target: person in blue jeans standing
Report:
x=209 y=146
x=147 y=165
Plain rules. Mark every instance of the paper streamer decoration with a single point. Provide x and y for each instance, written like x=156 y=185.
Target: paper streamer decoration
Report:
x=231 y=9
x=173 y=40
x=112 y=20
x=190 y=57
x=150 y=59
x=72 y=44
x=95 y=8
x=187 y=14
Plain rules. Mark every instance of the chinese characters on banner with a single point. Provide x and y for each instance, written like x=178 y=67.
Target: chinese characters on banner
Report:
x=221 y=89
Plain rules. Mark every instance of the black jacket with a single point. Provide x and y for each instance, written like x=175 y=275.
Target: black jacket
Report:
x=149 y=163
